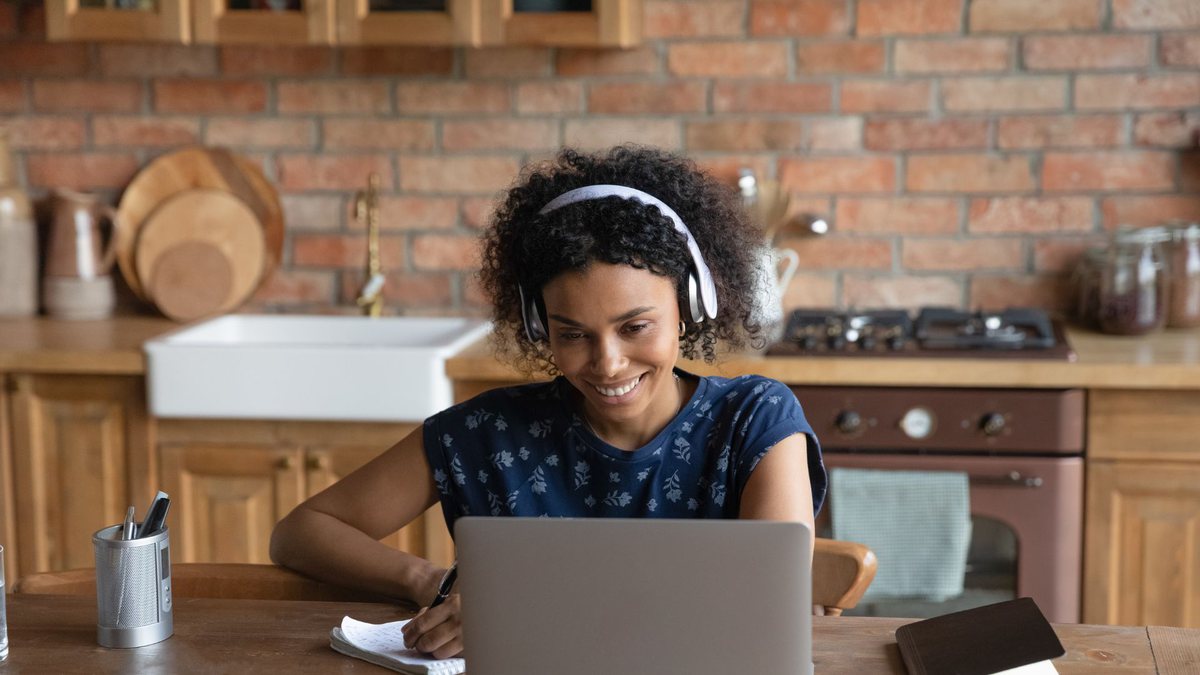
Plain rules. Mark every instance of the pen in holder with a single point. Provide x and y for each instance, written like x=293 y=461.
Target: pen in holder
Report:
x=133 y=588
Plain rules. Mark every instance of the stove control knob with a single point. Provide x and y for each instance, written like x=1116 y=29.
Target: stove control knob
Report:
x=837 y=343
x=849 y=422
x=992 y=424
x=866 y=343
x=896 y=343
x=917 y=423
x=808 y=342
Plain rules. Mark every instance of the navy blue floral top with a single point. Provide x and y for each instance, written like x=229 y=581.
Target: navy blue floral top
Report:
x=525 y=451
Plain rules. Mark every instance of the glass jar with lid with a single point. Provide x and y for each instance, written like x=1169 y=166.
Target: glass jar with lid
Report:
x=1133 y=283
x=1184 y=262
x=1086 y=278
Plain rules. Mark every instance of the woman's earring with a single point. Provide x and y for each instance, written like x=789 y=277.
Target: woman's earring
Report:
x=682 y=328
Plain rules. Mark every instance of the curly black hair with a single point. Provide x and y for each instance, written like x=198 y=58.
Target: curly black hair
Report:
x=522 y=249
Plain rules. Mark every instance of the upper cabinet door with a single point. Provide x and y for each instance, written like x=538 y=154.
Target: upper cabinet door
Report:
x=568 y=23
x=138 y=20
x=264 y=21
x=409 y=22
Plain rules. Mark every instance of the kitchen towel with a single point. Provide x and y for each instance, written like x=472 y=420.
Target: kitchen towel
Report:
x=918 y=523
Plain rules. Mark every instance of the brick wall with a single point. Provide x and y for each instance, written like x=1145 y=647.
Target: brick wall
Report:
x=964 y=150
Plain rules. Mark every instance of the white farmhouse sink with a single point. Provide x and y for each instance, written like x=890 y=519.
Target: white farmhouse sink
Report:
x=307 y=367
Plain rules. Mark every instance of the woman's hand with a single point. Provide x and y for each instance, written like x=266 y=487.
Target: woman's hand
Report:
x=437 y=630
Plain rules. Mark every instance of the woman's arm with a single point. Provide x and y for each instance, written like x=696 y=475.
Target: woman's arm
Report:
x=779 y=488
x=333 y=536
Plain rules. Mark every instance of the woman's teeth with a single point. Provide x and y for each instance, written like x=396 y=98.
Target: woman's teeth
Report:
x=619 y=391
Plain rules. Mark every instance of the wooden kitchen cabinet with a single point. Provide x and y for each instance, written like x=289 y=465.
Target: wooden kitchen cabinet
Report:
x=297 y=22
x=232 y=480
x=610 y=23
x=81 y=454
x=1142 y=529
x=95 y=20
x=8 y=527
x=394 y=22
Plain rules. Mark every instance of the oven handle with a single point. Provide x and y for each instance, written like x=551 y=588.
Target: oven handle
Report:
x=1010 y=479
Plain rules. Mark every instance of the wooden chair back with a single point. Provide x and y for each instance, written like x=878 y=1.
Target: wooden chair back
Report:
x=842 y=571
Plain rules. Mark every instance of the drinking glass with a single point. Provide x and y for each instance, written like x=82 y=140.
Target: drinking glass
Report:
x=3 y=616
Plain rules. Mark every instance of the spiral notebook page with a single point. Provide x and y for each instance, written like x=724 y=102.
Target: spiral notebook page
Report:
x=383 y=644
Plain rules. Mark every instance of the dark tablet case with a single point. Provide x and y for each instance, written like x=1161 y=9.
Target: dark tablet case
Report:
x=979 y=641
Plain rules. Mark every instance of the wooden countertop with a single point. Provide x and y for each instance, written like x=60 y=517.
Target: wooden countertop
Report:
x=1169 y=360
x=57 y=634
x=107 y=347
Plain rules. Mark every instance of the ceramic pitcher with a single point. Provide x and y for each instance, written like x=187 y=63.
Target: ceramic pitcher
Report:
x=74 y=246
x=777 y=266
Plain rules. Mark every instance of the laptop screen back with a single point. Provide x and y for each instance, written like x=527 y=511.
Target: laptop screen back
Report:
x=604 y=596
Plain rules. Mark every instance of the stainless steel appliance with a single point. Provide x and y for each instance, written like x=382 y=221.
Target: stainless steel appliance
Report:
x=1022 y=449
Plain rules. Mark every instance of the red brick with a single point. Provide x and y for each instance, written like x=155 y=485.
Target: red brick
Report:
x=633 y=97
x=397 y=60
x=774 y=97
x=1029 y=215
x=833 y=134
x=726 y=168
x=833 y=252
x=969 y=173
x=157 y=60
x=500 y=134
x=841 y=56
x=1179 y=49
x=799 y=17
x=1107 y=171
x=590 y=62
x=887 y=17
x=860 y=96
x=708 y=18
x=446 y=252
x=253 y=132
x=1120 y=92
x=1086 y=52
x=45 y=132
x=157 y=131
x=452 y=97
x=1168 y=130
x=951 y=255
x=12 y=96
x=457 y=175
x=408 y=291
x=1047 y=291
x=473 y=295
x=810 y=290
x=838 y=174
x=295 y=287
x=897 y=216
x=276 y=61
x=962 y=55
x=38 y=58
x=313 y=212
x=594 y=134
x=925 y=134
x=1018 y=16
x=331 y=172
x=333 y=96
x=541 y=98
x=1189 y=172
x=384 y=134
x=81 y=171
x=979 y=94
x=87 y=95
x=745 y=136
x=1059 y=131
x=415 y=213
x=1059 y=255
x=344 y=250
x=728 y=59
x=210 y=96
x=1141 y=14
x=1146 y=211
x=476 y=211
x=507 y=62
x=900 y=292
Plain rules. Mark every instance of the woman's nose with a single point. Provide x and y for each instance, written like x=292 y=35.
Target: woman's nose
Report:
x=607 y=358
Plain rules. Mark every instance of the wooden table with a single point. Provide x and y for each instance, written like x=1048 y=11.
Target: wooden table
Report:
x=57 y=634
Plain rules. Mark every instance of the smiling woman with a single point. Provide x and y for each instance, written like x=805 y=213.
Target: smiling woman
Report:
x=603 y=270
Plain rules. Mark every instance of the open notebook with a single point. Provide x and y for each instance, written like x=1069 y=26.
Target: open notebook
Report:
x=383 y=645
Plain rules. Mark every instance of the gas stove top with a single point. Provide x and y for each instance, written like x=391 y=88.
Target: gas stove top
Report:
x=1024 y=333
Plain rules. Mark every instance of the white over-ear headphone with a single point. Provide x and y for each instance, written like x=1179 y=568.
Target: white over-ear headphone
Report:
x=702 y=291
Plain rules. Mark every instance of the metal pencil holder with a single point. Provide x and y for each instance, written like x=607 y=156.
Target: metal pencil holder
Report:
x=133 y=588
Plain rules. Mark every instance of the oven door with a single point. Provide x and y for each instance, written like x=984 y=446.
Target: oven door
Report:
x=1027 y=537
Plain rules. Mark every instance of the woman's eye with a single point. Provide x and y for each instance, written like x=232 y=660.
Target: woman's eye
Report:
x=570 y=336
x=636 y=327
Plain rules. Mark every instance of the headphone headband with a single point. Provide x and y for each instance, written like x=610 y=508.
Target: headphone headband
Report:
x=707 y=288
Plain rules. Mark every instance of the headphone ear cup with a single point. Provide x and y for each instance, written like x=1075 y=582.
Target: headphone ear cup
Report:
x=531 y=316
x=695 y=308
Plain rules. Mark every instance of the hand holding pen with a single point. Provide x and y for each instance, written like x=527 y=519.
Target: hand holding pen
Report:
x=446 y=584
x=437 y=630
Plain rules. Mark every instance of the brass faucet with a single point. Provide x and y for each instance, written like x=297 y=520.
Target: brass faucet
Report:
x=366 y=210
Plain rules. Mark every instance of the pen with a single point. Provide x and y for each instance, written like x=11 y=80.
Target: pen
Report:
x=127 y=528
x=445 y=586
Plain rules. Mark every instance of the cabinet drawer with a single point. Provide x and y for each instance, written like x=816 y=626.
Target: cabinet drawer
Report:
x=1144 y=425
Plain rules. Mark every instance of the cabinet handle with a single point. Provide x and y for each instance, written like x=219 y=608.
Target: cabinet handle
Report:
x=285 y=463
x=318 y=463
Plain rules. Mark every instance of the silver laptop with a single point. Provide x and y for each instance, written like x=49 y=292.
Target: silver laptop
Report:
x=615 y=596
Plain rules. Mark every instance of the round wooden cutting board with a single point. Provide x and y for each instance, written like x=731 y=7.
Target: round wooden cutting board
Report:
x=188 y=169
x=222 y=223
